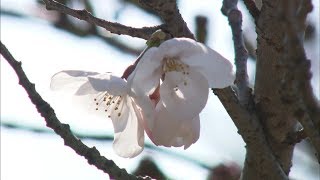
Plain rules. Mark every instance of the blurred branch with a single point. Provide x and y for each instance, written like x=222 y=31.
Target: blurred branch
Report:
x=137 y=4
x=11 y=13
x=300 y=98
x=105 y=138
x=201 y=29
x=148 y=167
x=252 y=8
x=81 y=32
x=230 y=9
x=169 y=13
x=65 y=24
x=69 y=27
x=63 y=130
x=228 y=171
x=113 y=27
x=33 y=129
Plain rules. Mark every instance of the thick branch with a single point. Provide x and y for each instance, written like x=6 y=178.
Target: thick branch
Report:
x=63 y=130
x=113 y=27
x=252 y=8
x=296 y=137
x=230 y=10
x=259 y=155
x=169 y=12
x=299 y=95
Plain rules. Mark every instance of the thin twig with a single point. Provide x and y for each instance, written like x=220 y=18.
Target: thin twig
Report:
x=113 y=27
x=63 y=130
x=230 y=9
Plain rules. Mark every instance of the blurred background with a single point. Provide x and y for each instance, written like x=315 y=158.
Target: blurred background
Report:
x=47 y=42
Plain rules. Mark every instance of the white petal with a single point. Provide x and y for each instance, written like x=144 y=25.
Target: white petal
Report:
x=84 y=82
x=184 y=96
x=69 y=79
x=85 y=89
x=181 y=48
x=147 y=74
x=143 y=101
x=128 y=130
x=217 y=69
x=106 y=82
x=189 y=131
x=169 y=131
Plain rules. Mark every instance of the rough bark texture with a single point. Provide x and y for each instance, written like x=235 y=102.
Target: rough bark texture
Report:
x=273 y=90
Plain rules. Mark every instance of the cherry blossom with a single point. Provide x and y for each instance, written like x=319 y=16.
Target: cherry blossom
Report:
x=164 y=93
x=188 y=69
x=112 y=96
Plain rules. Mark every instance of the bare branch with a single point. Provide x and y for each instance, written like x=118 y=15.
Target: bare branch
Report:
x=229 y=9
x=169 y=12
x=259 y=155
x=113 y=27
x=63 y=130
x=252 y=8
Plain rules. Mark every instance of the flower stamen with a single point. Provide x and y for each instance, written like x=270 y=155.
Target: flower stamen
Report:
x=175 y=64
x=109 y=101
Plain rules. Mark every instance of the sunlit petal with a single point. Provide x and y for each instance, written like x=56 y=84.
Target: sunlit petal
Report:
x=188 y=133
x=181 y=48
x=70 y=79
x=107 y=82
x=147 y=74
x=169 y=131
x=184 y=96
x=217 y=69
x=128 y=130
x=147 y=106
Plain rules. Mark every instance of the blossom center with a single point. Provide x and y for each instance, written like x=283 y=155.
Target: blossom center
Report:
x=175 y=64
x=111 y=104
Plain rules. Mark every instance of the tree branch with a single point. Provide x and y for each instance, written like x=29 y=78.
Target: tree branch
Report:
x=259 y=155
x=230 y=9
x=252 y=8
x=113 y=27
x=169 y=12
x=299 y=96
x=63 y=130
x=296 y=137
